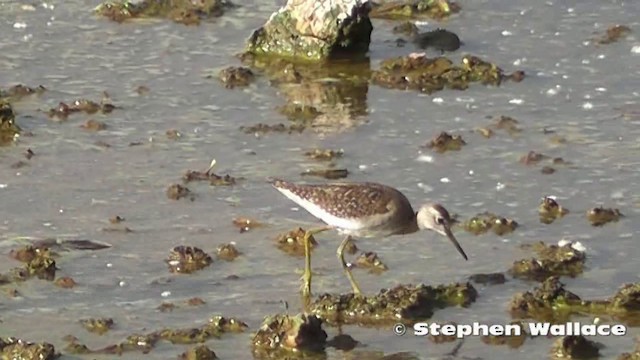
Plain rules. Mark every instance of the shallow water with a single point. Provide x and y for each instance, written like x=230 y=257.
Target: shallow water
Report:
x=72 y=186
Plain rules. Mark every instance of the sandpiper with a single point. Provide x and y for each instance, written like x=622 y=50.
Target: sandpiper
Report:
x=364 y=210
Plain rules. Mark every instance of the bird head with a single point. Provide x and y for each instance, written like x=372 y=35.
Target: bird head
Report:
x=435 y=217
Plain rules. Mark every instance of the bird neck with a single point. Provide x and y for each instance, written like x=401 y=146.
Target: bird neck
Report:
x=413 y=225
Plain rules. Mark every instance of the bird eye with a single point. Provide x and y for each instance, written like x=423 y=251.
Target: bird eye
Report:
x=439 y=220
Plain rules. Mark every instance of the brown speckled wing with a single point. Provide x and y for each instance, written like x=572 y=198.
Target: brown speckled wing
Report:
x=345 y=200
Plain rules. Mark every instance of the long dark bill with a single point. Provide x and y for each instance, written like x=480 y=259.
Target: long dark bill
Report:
x=447 y=230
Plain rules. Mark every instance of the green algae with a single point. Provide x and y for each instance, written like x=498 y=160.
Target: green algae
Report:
x=410 y=9
x=284 y=336
x=405 y=303
x=551 y=260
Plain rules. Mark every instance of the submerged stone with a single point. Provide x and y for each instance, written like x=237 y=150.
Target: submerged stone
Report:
x=613 y=34
x=234 y=76
x=283 y=335
x=315 y=30
x=246 y=224
x=552 y=260
x=439 y=39
x=513 y=341
x=181 y=11
x=201 y=352
x=402 y=303
x=488 y=279
x=574 y=347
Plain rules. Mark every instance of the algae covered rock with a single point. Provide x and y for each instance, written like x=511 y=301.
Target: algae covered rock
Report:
x=182 y=11
x=8 y=127
x=12 y=348
x=402 y=303
x=552 y=260
x=315 y=30
x=283 y=335
x=548 y=302
x=187 y=259
x=549 y=210
x=600 y=216
x=418 y=72
x=486 y=221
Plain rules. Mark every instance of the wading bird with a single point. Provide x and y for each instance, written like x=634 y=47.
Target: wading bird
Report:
x=364 y=210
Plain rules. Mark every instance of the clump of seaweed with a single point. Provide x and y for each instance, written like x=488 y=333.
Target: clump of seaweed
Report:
x=181 y=11
x=9 y=130
x=600 y=216
x=404 y=9
x=262 y=129
x=38 y=261
x=228 y=252
x=446 y=142
x=187 y=259
x=324 y=154
x=405 y=303
x=292 y=242
x=246 y=224
x=549 y=210
x=93 y=125
x=507 y=123
x=236 y=76
x=63 y=110
x=428 y=75
x=551 y=260
x=370 y=260
x=281 y=336
x=208 y=175
x=487 y=221
x=97 y=325
x=214 y=328
x=13 y=348
x=613 y=34
x=177 y=192
x=17 y=92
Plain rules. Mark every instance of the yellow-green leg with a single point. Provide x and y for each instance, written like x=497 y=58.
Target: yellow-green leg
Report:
x=354 y=285
x=306 y=277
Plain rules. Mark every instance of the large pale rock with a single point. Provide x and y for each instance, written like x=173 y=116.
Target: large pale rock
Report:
x=315 y=30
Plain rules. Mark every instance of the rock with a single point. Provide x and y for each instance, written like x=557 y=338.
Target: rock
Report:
x=315 y=30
